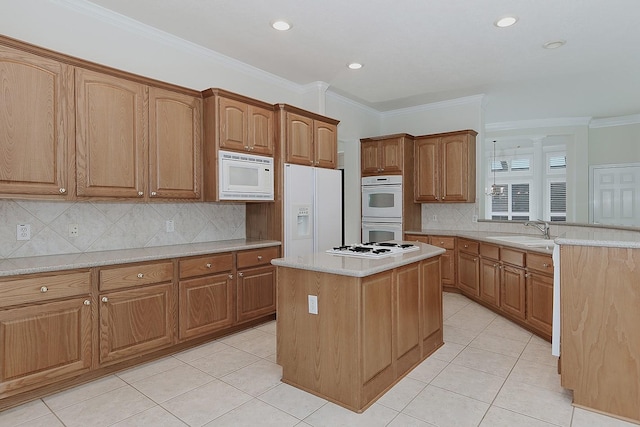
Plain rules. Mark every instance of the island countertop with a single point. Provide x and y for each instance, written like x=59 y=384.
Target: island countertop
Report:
x=356 y=267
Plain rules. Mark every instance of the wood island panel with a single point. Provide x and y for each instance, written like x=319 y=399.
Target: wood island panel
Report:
x=368 y=334
x=600 y=306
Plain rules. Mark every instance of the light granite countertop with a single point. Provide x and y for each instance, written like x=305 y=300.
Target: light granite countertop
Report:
x=598 y=237
x=41 y=264
x=356 y=267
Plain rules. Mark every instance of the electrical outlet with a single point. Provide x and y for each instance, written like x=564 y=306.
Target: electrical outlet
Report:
x=73 y=230
x=23 y=232
x=313 y=304
x=474 y=218
x=434 y=217
x=170 y=226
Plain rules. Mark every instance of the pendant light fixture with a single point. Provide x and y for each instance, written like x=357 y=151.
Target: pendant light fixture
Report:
x=495 y=190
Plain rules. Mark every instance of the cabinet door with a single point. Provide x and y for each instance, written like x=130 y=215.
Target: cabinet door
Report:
x=454 y=152
x=206 y=305
x=512 y=284
x=370 y=158
x=490 y=281
x=44 y=343
x=175 y=141
x=325 y=144
x=261 y=130
x=377 y=354
x=540 y=302
x=111 y=148
x=232 y=116
x=134 y=322
x=299 y=144
x=468 y=274
x=447 y=259
x=256 y=293
x=431 y=298
x=36 y=124
x=427 y=170
x=407 y=315
x=391 y=156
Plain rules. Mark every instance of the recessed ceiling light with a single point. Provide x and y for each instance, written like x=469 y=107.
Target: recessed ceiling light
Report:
x=355 y=65
x=554 y=44
x=506 y=21
x=281 y=25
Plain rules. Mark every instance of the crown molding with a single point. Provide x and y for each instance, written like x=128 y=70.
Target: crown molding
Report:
x=115 y=19
x=615 y=121
x=354 y=104
x=537 y=123
x=467 y=100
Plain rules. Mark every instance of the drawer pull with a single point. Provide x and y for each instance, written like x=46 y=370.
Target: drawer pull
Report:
x=44 y=289
x=208 y=265
x=140 y=275
x=495 y=265
x=104 y=299
x=241 y=274
x=62 y=190
x=140 y=194
x=259 y=257
x=153 y=193
x=466 y=246
x=87 y=302
x=442 y=243
x=545 y=265
x=231 y=276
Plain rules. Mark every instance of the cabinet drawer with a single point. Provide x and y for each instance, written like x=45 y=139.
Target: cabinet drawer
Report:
x=445 y=242
x=257 y=257
x=416 y=238
x=511 y=256
x=540 y=262
x=31 y=289
x=468 y=246
x=135 y=275
x=490 y=251
x=209 y=264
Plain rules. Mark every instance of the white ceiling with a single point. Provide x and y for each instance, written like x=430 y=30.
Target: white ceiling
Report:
x=421 y=51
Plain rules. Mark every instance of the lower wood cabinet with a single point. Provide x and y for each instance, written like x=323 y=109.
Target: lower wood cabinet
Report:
x=43 y=341
x=539 y=279
x=513 y=293
x=447 y=259
x=135 y=321
x=469 y=273
x=256 y=284
x=431 y=314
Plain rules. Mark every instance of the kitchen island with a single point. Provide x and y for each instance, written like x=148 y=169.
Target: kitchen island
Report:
x=349 y=328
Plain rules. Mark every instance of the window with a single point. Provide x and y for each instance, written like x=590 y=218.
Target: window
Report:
x=528 y=191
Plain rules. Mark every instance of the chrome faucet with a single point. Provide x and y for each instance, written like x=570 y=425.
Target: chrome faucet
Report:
x=541 y=225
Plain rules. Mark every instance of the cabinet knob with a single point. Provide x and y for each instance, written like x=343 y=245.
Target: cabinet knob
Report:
x=495 y=265
x=62 y=190
x=153 y=193
x=442 y=243
x=87 y=302
x=442 y=197
x=231 y=276
x=240 y=274
x=437 y=198
x=44 y=289
x=259 y=257
x=246 y=147
x=545 y=265
x=527 y=275
x=140 y=194
x=208 y=265
x=140 y=275
x=475 y=260
x=104 y=299
x=466 y=246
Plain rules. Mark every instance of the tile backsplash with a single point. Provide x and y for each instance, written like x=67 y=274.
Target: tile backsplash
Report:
x=111 y=226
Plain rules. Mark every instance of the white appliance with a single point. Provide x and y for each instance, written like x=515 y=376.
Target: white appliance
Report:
x=244 y=176
x=382 y=198
x=381 y=231
x=312 y=209
x=371 y=250
x=381 y=208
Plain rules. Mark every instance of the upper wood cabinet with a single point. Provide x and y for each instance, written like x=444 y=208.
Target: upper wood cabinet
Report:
x=135 y=141
x=36 y=125
x=445 y=167
x=175 y=145
x=237 y=123
x=308 y=139
x=111 y=134
x=382 y=156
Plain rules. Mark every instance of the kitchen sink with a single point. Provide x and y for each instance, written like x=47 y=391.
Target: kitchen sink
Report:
x=524 y=240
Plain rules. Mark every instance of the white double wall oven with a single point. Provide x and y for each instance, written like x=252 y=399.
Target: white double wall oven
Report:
x=381 y=208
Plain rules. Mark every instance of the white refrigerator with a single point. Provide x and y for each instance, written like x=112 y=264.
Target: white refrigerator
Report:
x=312 y=209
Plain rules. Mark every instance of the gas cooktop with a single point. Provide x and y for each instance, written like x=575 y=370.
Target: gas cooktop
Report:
x=373 y=249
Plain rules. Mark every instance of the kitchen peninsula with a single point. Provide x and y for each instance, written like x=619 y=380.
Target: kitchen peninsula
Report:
x=349 y=328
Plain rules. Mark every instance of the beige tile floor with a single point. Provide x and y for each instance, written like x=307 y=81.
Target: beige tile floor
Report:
x=490 y=372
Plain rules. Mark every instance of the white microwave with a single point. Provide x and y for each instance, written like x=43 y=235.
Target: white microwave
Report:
x=244 y=177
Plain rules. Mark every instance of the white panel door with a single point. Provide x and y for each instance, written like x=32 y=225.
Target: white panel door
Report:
x=616 y=194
